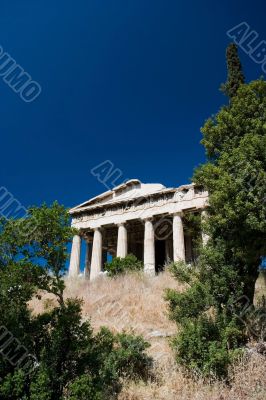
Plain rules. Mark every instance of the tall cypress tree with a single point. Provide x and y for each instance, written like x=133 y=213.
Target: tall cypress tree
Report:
x=235 y=75
x=217 y=313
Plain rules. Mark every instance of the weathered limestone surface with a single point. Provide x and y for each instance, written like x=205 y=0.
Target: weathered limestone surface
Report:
x=96 y=259
x=149 y=248
x=122 y=241
x=74 y=266
x=178 y=238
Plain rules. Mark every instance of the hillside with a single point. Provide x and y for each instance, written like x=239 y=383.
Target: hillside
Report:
x=136 y=302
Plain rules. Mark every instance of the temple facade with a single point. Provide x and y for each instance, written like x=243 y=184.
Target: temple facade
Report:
x=147 y=220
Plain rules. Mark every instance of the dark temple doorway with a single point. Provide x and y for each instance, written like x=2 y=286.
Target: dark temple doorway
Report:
x=160 y=255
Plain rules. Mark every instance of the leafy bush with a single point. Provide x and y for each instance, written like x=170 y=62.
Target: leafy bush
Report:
x=129 y=358
x=122 y=265
x=207 y=346
x=182 y=272
x=83 y=388
x=72 y=362
x=208 y=340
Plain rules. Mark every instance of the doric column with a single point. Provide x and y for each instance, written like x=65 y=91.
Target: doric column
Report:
x=178 y=238
x=149 y=248
x=88 y=260
x=168 y=250
x=205 y=237
x=74 y=266
x=122 y=241
x=96 y=259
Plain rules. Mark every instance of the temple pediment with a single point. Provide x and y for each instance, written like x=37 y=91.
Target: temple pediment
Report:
x=130 y=190
x=134 y=200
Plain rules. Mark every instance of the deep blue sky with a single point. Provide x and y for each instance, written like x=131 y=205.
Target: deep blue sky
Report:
x=127 y=80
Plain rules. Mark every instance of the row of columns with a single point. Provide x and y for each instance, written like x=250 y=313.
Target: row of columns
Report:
x=95 y=252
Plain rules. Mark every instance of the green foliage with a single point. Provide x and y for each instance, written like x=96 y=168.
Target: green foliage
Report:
x=235 y=76
x=207 y=346
x=225 y=131
x=40 y=386
x=236 y=181
x=208 y=339
x=129 y=360
x=211 y=312
x=182 y=272
x=120 y=266
x=13 y=386
x=189 y=304
x=72 y=362
x=83 y=388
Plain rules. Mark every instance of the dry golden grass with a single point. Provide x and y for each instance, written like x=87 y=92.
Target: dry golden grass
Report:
x=135 y=302
x=249 y=383
x=127 y=302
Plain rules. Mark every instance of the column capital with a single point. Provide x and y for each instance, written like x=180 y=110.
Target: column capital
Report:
x=122 y=223
x=178 y=214
x=147 y=219
x=77 y=236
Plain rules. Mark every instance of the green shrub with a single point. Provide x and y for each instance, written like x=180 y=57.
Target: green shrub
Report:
x=83 y=388
x=129 y=358
x=207 y=346
x=72 y=362
x=122 y=265
x=182 y=272
x=209 y=337
x=190 y=303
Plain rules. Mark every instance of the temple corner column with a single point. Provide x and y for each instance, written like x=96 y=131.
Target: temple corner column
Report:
x=74 y=266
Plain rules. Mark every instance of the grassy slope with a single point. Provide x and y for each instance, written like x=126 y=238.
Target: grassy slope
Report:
x=136 y=302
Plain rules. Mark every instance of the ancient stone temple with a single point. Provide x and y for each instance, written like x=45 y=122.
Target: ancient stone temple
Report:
x=147 y=220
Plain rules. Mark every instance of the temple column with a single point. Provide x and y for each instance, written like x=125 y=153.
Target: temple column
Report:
x=122 y=241
x=74 y=266
x=88 y=260
x=205 y=237
x=168 y=251
x=149 y=248
x=96 y=258
x=178 y=238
